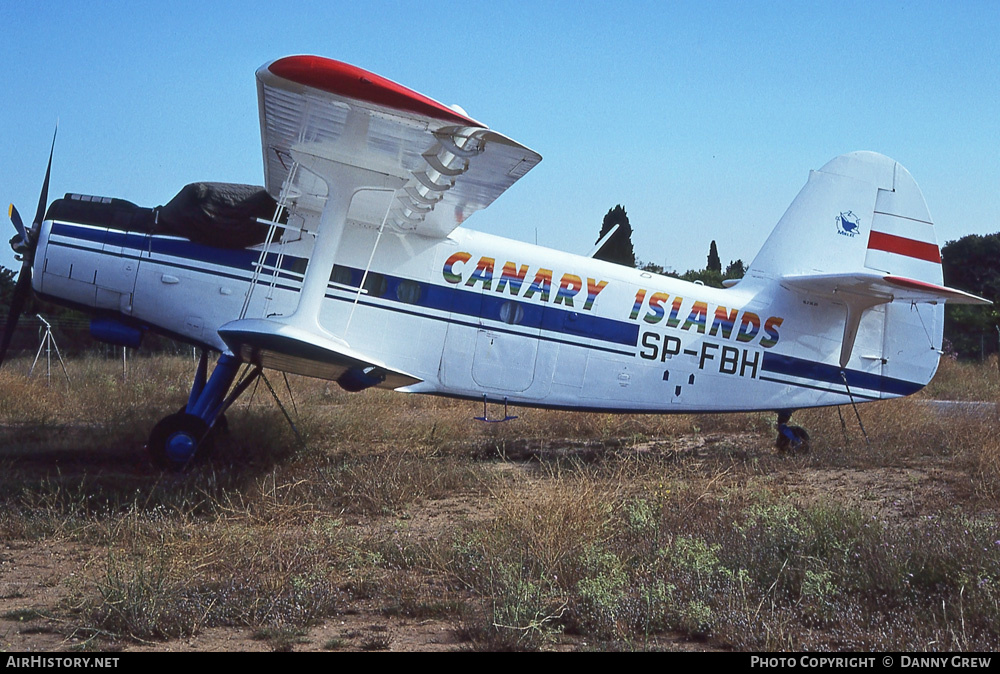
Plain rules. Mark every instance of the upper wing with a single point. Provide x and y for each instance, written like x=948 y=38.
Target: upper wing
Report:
x=449 y=164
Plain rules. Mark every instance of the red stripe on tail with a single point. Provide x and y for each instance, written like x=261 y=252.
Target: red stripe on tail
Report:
x=890 y=243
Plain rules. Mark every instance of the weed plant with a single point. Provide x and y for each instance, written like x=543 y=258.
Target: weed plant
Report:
x=588 y=531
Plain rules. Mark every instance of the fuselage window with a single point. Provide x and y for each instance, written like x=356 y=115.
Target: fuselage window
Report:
x=375 y=284
x=409 y=292
x=296 y=265
x=340 y=275
x=511 y=312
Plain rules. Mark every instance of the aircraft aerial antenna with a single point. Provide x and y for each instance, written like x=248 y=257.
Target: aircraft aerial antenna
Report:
x=600 y=244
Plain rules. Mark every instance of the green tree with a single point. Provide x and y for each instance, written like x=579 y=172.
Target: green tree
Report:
x=714 y=263
x=709 y=277
x=973 y=264
x=7 y=282
x=736 y=269
x=618 y=248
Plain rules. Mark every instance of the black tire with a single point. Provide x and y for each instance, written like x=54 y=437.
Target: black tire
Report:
x=191 y=428
x=221 y=422
x=798 y=443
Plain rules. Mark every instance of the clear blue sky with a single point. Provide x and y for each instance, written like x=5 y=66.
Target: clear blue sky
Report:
x=701 y=118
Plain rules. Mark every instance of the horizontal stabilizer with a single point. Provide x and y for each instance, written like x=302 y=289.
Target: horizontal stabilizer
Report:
x=872 y=289
x=285 y=347
x=861 y=291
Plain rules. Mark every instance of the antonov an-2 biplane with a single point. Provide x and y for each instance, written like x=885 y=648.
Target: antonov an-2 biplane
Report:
x=352 y=265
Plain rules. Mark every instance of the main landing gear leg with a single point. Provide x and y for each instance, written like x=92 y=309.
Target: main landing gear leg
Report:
x=177 y=439
x=790 y=438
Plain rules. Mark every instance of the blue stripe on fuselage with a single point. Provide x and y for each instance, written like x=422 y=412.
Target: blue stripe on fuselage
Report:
x=145 y=244
x=831 y=374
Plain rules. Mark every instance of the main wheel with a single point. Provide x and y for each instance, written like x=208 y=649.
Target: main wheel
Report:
x=178 y=440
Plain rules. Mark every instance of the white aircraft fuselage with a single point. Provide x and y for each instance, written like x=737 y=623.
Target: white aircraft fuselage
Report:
x=478 y=315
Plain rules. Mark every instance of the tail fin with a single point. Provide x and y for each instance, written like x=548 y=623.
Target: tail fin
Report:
x=859 y=235
x=861 y=212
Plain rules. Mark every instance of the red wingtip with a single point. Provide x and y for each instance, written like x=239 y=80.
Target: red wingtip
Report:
x=350 y=81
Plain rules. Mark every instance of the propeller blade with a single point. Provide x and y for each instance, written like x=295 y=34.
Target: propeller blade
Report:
x=21 y=292
x=15 y=217
x=23 y=288
x=43 y=199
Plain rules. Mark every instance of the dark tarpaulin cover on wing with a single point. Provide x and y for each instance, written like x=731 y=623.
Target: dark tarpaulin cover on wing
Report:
x=218 y=214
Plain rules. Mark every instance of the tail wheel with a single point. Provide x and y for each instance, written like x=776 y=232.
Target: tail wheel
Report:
x=178 y=440
x=792 y=439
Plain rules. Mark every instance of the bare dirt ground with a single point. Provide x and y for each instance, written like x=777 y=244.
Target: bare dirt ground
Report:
x=37 y=589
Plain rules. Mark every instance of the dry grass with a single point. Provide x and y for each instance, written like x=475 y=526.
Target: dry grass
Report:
x=556 y=531
x=957 y=380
